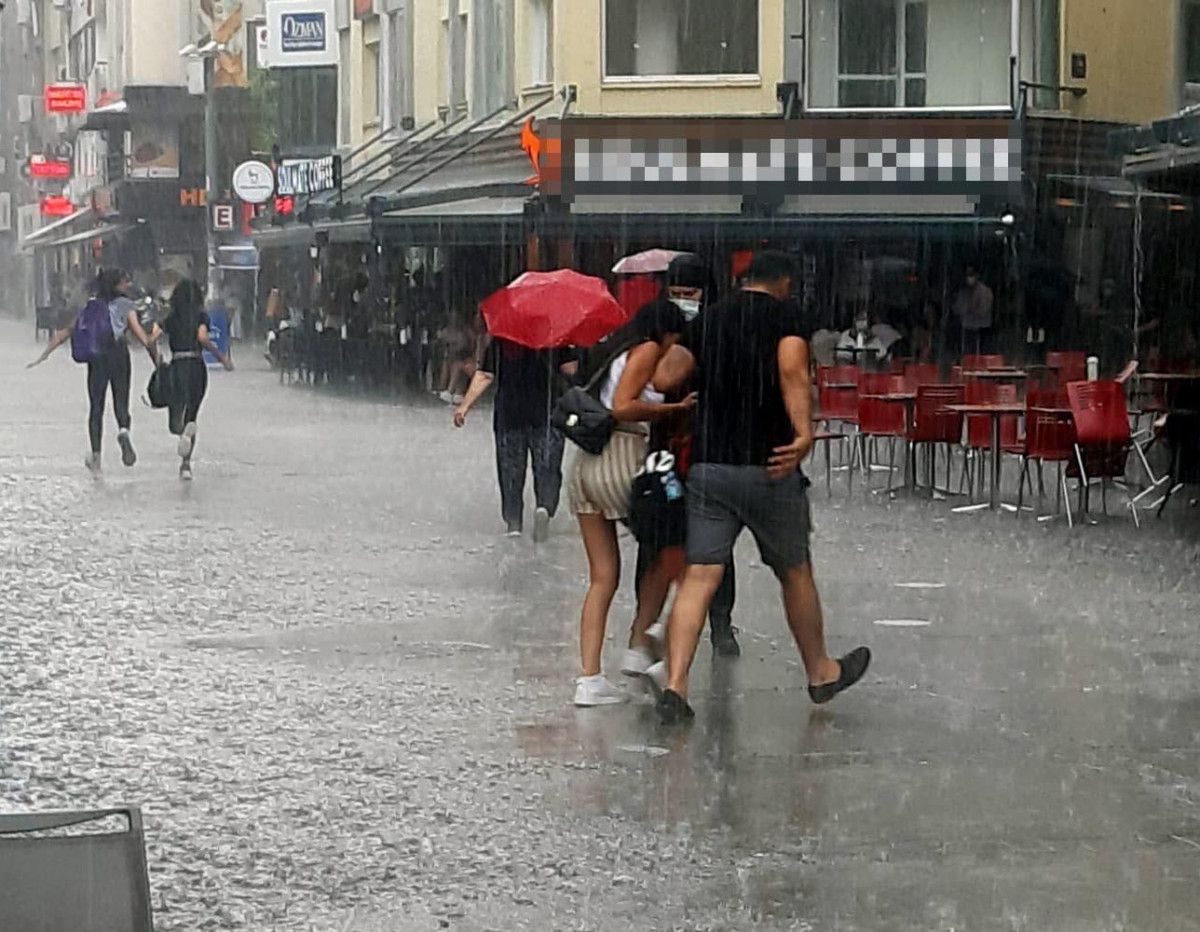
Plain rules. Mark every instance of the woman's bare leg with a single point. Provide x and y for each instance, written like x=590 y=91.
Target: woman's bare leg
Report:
x=604 y=571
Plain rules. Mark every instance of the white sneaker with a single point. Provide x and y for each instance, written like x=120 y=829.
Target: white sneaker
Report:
x=657 y=632
x=656 y=673
x=597 y=690
x=446 y=397
x=541 y=525
x=92 y=462
x=187 y=440
x=636 y=662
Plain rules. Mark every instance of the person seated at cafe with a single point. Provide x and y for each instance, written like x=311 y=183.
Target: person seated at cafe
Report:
x=459 y=342
x=870 y=334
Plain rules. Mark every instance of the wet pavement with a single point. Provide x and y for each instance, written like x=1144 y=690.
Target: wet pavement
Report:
x=342 y=699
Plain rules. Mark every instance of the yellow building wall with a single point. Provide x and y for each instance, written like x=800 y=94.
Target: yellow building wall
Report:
x=579 y=59
x=428 y=59
x=1132 y=50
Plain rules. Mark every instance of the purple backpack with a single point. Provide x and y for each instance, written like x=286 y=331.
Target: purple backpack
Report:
x=92 y=333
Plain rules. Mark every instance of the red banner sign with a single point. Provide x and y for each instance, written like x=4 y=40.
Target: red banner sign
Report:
x=43 y=168
x=66 y=98
x=57 y=207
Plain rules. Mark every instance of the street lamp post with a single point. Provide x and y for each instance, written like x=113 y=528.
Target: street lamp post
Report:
x=207 y=53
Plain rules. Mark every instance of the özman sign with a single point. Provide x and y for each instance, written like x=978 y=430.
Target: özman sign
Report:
x=301 y=33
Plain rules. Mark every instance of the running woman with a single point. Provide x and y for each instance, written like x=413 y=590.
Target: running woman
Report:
x=112 y=369
x=187 y=333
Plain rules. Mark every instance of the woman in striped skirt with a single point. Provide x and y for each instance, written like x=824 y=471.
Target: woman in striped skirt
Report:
x=600 y=485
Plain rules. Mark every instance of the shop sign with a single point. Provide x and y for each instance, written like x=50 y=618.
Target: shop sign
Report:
x=43 y=168
x=193 y=197
x=57 y=206
x=222 y=218
x=65 y=97
x=301 y=33
x=771 y=159
x=253 y=182
x=155 y=151
x=308 y=176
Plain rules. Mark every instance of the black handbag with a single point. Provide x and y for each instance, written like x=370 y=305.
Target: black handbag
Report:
x=581 y=417
x=160 y=390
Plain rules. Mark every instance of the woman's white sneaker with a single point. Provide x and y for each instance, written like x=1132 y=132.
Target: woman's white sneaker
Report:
x=187 y=440
x=636 y=662
x=597 y=690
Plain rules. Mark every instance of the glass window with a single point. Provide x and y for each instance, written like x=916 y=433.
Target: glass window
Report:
x=492 y=58
x=539 y=33
x=653 y=38
x=909 y=53
x=1191 y=38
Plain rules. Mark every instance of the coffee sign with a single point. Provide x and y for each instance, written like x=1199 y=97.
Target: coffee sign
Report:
x=308 y=176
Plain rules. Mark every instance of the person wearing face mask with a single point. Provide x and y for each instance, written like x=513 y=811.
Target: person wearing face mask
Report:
x=688 y=286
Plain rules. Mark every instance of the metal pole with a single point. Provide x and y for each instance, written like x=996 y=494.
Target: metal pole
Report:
x=210 y=174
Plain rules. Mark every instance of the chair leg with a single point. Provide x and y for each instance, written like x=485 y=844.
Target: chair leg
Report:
x=1065 y=493
x=1041 y=476
x=1083 y=482
x=829 y=467
x=891 y=460
x=1021 y=484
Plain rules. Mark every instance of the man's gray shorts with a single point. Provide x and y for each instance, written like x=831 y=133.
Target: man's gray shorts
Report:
x=722 y=500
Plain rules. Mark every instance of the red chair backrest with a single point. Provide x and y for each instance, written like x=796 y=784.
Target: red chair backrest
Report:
x=1071 y=365
x=931 y=422
x=980 y=361
x=838 y=403
x=979 y=426
x=1047 y=397
x=917 y=374
x=1101 y=415
x=1048 y=436
x=875 y=416
x=1006 y=392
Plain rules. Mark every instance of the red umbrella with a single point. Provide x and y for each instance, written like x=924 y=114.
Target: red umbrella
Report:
x=543 y=310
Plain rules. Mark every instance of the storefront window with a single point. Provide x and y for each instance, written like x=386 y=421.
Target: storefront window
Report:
x=669 y=38
x=909 y=53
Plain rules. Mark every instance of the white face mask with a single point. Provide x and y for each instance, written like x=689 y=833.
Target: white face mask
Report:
x=689 y=308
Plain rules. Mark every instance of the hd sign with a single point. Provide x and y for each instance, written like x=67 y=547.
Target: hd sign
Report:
x=301 y=33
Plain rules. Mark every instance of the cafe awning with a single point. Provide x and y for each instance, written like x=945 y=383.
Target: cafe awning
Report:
x=58 y=227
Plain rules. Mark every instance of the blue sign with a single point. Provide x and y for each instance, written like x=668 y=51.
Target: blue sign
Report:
x=218 y=332
x=303 y=32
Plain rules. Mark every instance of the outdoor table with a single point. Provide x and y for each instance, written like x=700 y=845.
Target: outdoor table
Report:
x=998 y=375
x=995 y=411
x=856 y=351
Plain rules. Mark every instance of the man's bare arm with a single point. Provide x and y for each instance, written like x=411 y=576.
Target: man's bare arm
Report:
x=796 y=387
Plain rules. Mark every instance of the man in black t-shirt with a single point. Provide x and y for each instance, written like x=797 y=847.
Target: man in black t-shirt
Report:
x=748 y=359
x=526 y=390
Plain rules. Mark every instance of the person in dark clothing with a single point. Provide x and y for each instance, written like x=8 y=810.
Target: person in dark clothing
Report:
x=186 y=328
x=113 y=369
x=747 y=358
x=527 y=385
x=687 y=286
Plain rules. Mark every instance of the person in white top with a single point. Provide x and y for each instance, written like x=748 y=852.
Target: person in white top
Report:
x=600 y=486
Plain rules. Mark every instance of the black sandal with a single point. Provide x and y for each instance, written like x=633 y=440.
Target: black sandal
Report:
x=853 y=665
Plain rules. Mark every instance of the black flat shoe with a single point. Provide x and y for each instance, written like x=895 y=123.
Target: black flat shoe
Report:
x=853 y=665
x=724 y=642
x=672 y=708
